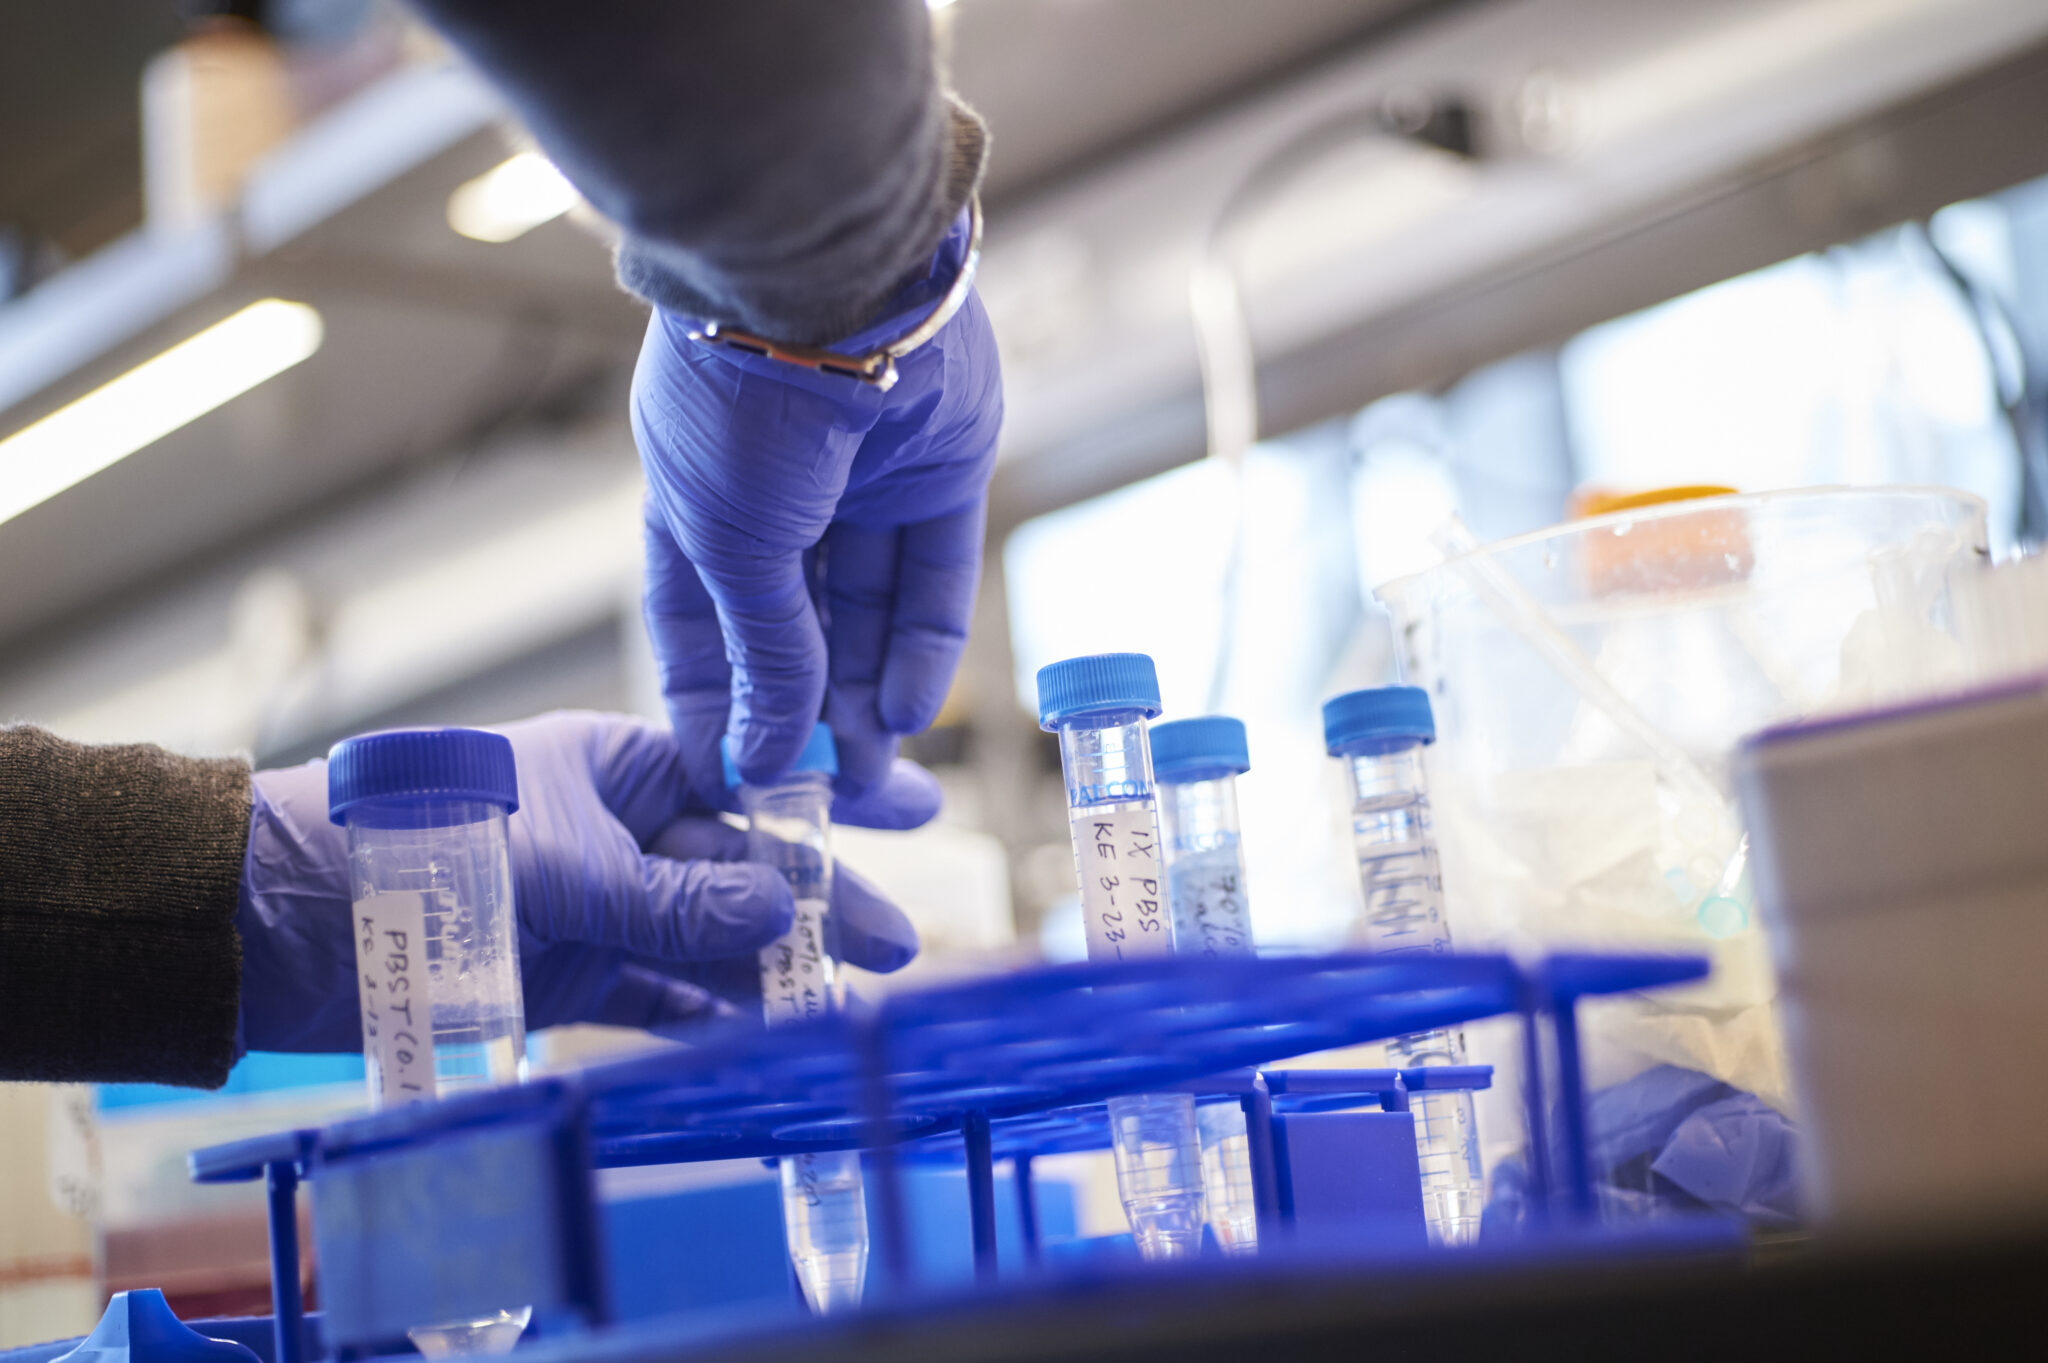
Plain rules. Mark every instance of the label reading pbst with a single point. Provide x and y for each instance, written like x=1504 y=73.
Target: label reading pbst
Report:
x=795 y=981
x=1123 y=890
x=396 y=997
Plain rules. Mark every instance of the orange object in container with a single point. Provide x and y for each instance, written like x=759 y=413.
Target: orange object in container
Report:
x=1702 y=548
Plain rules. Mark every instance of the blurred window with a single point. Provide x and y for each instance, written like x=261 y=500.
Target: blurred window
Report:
x=1863 y=364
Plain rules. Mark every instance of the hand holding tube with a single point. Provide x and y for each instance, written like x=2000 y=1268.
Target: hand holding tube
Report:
x=635 y=905
x=814 y=544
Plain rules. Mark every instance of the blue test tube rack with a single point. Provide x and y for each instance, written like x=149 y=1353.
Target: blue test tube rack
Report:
x=448 y=1210
x=1269 y=1098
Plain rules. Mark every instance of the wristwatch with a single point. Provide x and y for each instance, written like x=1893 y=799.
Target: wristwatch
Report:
x=878 y=366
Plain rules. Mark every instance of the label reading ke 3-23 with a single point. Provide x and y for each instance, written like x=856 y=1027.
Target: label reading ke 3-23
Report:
x=1123 y=890
x=398 y=1009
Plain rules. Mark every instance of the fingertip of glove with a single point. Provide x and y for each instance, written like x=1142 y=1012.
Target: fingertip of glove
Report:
x=683 y=1023
x=865 y=757
x=906 y=714
x=873 y=932
x=886 y=958
x=724 y=1010
x=907 y=797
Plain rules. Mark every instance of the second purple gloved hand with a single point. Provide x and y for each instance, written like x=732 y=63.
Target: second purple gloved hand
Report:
x=814 y=544
x=634 y=905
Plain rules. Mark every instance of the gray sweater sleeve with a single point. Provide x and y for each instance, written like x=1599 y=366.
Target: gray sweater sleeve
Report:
x=778 y=165
x=120 y=869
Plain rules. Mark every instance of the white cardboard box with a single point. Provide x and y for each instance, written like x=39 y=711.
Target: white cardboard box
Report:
x=1901 y=870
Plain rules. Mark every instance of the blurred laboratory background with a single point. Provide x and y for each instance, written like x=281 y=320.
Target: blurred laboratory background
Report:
x=365 y=459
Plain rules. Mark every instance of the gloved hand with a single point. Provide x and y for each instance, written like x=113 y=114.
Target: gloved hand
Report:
x=813 y=545
x=634 y=906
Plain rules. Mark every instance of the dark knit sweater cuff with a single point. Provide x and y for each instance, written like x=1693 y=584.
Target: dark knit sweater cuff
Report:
x=840 y=289
x=119 y=873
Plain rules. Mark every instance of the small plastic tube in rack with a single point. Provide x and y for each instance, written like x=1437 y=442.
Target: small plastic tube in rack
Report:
x=1098 y=705
x=824 y=1205
x=437 y=955
x=1196 y=763
x=1379 y=734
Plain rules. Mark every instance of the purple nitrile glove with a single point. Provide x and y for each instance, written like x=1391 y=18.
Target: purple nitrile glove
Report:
x=1736 y=1155
x=634 y=905
x=814 y=544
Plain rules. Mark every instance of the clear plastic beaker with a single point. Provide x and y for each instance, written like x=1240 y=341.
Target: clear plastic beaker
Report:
x=1589 y=683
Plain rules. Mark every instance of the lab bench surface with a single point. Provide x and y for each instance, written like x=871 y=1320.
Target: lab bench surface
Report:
x=1795 y=1302
x=1786 y=1301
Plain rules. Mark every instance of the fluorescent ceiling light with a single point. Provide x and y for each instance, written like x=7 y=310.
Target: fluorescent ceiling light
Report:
x=153 y=399
x=511 y=200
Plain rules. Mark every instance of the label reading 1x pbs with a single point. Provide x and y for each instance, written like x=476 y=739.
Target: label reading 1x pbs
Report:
x=1123 y=888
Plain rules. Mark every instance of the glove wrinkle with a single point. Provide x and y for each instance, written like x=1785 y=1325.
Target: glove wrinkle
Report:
x=640 y=774
x=704 y=910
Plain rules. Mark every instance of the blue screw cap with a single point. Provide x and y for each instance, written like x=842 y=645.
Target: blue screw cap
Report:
x=821 y=753
x=412 y=765
x=138 y=1325
x=1101 y=683
x=1378 y=720
x=1200 y=749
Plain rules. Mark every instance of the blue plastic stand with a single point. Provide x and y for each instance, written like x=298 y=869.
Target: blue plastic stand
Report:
x=1352 y=1177
x=477 y=1202
x=1269 y=1098
x=138 y=1327
x=488 y=1218
x=981 y=1192
x=1027 y=1209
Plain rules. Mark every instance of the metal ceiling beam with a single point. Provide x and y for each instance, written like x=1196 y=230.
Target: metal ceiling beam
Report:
x=1974 y=139
x=1018 y=99
x=1113 y=396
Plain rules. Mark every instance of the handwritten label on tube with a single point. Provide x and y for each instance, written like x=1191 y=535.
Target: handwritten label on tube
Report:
x=1123 y=889
x=796 y=974
x=398 y=1010
x=1212 y=915
x=1404 y=898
